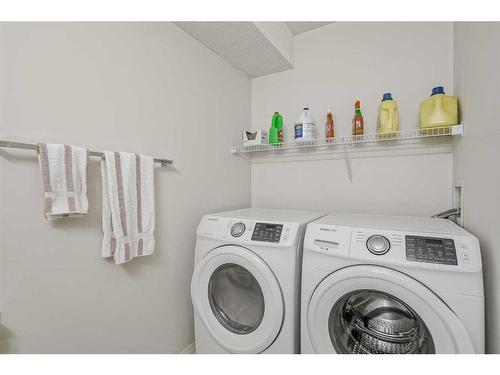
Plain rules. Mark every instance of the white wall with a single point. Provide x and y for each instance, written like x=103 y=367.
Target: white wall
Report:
x=477 y=58
x=335 y=65
x=147 y=88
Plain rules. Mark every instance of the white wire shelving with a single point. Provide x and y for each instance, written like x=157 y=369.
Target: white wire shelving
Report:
x=410 y=134
x=346 y=143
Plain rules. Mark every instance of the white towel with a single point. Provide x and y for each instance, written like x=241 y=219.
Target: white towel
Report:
x=64 y=179
x=128 y=206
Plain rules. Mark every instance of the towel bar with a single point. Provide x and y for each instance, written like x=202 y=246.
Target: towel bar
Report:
x=32 y=146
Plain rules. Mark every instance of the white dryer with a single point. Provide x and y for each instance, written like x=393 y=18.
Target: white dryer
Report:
x=246 y=282
x=382 y=284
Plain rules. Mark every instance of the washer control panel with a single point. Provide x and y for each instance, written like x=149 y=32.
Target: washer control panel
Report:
x=431 y=250
x=267 y=232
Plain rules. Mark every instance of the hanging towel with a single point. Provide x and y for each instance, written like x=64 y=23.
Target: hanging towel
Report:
x=64 y=179
x=128 y=206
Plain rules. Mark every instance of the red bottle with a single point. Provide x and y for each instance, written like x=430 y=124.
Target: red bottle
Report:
x=357 y=121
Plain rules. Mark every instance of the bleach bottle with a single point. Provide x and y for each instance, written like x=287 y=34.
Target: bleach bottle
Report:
x=305 y=127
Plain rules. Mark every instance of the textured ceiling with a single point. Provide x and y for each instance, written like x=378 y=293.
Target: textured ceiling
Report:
x=256 y=48
x=302 y=27
x=242 y=44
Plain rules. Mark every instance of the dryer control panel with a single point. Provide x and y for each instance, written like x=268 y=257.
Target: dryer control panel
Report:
x=431 y=250
x=250 y=232
x=267 y=232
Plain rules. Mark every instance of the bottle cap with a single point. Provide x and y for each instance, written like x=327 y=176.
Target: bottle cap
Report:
x=306 y=108
x=329 y=109
x=387 y=96
x=357 y=104
x=437 y=90
x=276 y=113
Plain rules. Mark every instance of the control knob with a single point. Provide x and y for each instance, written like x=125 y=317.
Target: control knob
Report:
x=378 y=245
x=237 y=229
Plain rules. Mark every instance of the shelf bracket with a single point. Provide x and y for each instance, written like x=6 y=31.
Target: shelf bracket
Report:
x=348 y=161
x=242 y=156
x=458 y=129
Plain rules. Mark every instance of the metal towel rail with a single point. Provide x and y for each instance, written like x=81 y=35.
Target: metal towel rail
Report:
x=34 y=147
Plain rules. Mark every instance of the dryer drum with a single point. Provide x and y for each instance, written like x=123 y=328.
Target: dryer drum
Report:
x=236 y=298
x=369 y=321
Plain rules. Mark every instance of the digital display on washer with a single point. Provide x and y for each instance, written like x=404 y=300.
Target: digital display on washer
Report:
x=431 y=250
x=267 y=232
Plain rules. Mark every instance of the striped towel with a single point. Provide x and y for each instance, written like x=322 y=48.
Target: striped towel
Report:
x=64 y=179
x=128 y=206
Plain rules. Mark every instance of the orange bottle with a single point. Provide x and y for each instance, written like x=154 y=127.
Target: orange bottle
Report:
x=357 y=121
x=329 y=130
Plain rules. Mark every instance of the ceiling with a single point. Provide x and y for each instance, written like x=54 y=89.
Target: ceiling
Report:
x=301 y=27
x=240 y=43
x=256 y=48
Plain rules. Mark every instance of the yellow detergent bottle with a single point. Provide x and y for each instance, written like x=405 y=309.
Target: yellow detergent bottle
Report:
x=439 y=110
x=388 y=122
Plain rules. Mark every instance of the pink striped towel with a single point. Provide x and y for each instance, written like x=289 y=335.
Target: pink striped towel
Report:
x=128 y=206
x=64 y=179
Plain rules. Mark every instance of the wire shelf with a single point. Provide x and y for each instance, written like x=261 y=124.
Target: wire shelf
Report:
x=351 y=140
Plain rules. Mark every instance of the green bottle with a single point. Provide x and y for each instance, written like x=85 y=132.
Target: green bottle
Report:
x=276 y=130
x=278 y=124
x=273 y=132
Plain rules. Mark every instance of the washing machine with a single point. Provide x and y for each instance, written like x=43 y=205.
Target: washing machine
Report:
x=245 y=287
x=385 y=284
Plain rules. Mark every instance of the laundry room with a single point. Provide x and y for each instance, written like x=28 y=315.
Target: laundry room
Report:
x=225 y=185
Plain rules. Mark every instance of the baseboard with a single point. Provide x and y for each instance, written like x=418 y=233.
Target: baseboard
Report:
x=190 y=349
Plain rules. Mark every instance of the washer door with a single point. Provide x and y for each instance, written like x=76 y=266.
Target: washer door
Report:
x=371 y=309
x=238 y=298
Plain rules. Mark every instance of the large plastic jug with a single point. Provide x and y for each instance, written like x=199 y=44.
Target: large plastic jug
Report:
x=439 y=110
x=305 y=127
x=388 y=121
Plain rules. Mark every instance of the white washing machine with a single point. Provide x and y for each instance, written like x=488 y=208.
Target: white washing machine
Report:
x=383 y=284
x=246 y=282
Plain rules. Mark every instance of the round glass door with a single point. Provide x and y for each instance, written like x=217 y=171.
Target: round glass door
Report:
x=236 y=298
x=373 y=309
x=369 y=321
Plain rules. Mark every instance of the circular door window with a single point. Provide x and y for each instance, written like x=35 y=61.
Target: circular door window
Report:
x=236 y=298
x=373 y=309
x=369 y=321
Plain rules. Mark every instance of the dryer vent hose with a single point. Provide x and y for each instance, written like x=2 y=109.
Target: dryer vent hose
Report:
x=448 y=213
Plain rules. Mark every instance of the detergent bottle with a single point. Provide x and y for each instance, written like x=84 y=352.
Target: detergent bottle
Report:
x=439 y=110
x=276 y=130
x=278 y=124
x=273 y=132
x=305 y=127
x=388 y=121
